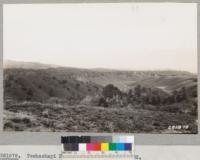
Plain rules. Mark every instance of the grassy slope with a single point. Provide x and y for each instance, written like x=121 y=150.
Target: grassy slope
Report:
x=40 y=85
x=44 y=117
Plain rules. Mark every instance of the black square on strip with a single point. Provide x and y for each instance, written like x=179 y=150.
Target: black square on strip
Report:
x=73 y=139
x=64 y=139
x=67 y=147
x=85 y=139
x=74 y=147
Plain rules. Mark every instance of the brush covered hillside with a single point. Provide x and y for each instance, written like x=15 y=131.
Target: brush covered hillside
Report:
x=98 y=100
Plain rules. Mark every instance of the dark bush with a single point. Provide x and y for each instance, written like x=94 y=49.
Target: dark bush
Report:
x=138 y=90
x=51 y=93
x=77 y=85
x=102 y=102
x=39 y=86
x=8 y=125
x=26 y=120
x=16 y=120
x=63 y=82
x=29 y=92
x=110 y=90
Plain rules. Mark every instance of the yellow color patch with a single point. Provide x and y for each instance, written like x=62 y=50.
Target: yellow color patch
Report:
x=104 y=146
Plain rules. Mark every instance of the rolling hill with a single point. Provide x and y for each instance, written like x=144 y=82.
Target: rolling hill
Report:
x=43 y=84
x=36 y=81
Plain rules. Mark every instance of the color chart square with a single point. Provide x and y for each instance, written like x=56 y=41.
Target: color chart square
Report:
x=82 y=147
x=120 y=146
x=104 y=147
x=89 y=147
x=128 y=146
x=96 y=147
x=112 y=146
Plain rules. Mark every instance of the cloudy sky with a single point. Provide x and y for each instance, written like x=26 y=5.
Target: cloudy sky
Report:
x=131 y=36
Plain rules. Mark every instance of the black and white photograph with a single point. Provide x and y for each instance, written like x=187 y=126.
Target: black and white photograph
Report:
x=100 y=68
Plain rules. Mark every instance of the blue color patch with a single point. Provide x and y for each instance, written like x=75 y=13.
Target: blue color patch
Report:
x=128 y=146
x=120 y=146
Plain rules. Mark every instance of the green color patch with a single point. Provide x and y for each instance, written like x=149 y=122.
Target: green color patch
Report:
x=112 y=146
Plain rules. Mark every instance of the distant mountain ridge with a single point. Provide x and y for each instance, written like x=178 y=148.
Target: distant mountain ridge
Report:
x=39 y=65
x=27 y=65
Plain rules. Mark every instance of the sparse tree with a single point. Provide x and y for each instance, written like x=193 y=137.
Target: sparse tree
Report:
x=153 y=100
x=158 y=100
x=184 y=94
x=51 y=92
x=29 y=92
x=138 y=90
x=102 y=102
x=130 y=95
x=110 y=90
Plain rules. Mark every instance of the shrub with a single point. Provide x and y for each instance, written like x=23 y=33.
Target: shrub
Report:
x=51 y=93
x=102 y=102
x=110 y=90
x=16 y=120
x=39 y=86
x=26 y=120
x=77 y=85
x=29 y=92
x=8 y=125
x=63 y=82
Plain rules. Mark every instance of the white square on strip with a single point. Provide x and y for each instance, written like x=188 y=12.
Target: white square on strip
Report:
x=130 y=139
x=82 y=147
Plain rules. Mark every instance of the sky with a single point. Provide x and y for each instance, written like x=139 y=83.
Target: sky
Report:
x=125 y=36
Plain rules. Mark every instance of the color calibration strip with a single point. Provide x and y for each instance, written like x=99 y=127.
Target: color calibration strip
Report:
x=98 y=143
x=97 y=146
